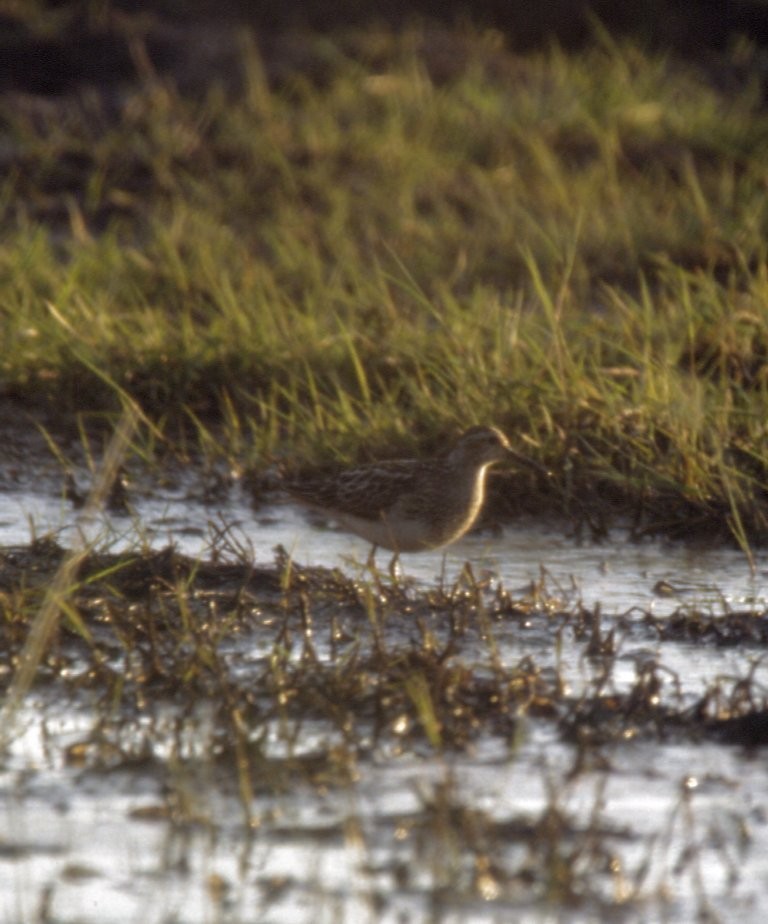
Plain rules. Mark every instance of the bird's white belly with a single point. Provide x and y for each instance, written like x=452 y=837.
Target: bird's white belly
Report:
x=406 y=536
x=403 y=534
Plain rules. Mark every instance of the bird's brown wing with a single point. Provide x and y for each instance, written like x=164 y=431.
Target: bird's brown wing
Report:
x=367 y=491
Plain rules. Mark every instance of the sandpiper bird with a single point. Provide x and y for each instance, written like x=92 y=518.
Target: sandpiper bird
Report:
x=409 y=505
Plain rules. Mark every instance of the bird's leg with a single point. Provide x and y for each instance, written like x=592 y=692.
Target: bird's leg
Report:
x=394 y=568
x=374 y=571
x=371 y=562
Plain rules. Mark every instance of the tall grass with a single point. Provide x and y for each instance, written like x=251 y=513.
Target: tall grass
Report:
x=406 y=233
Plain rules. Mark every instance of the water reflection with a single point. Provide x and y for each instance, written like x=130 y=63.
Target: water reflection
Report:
x=657 y=576
x=97 y=847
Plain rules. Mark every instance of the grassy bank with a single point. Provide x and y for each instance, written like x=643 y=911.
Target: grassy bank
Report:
x=350 y=248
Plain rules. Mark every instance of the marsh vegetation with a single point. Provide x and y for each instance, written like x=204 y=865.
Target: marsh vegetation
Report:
x=298 y=250
x=345 y=248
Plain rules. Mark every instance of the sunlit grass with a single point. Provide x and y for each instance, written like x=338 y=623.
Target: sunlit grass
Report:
x=368 y=253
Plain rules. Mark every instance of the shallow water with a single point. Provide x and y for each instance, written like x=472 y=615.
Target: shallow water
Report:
x=82 y=847
x=615 y=573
